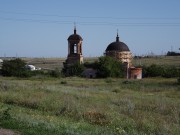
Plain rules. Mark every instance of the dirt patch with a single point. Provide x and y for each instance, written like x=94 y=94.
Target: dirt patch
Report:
x=7 y=132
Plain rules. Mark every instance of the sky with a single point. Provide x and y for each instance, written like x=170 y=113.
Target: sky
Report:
x=40 y=28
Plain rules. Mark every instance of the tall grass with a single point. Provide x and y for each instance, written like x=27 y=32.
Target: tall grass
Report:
x=90 y=106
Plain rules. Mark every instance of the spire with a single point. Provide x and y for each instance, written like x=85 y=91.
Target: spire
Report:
x=117 y=38
x=74 y=28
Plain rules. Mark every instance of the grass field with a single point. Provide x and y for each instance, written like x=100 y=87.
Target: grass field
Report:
x=78 y=106
x=161 y=60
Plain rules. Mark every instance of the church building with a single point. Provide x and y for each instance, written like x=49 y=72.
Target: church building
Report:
x=120 y=51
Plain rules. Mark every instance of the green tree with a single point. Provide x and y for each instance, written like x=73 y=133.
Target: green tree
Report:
x=154 y=70
x=74 y=70
x=109 y=67
x=15 y=67
x=160 y=71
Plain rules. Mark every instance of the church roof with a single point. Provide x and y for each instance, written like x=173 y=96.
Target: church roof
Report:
x=117 y=46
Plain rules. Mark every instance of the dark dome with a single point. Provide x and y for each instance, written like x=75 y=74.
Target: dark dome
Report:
x=75 y=36
x=117 y=46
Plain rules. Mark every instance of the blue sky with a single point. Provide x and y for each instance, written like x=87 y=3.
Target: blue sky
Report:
x=40 y=28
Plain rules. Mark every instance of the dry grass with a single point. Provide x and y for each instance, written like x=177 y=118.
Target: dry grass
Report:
x=161 y=60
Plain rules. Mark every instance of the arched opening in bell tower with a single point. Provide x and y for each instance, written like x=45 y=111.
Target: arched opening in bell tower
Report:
x=75 y=48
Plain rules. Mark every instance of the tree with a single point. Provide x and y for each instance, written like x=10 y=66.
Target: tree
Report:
x=15 y=67
x=74 y=70
x=172 y=53
x=160 y=71
x=109 y=67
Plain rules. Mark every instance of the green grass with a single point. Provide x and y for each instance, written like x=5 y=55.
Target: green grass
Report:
x=90 y=106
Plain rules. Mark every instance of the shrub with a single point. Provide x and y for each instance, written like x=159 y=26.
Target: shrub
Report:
x=4 y=113
x=109 y=67
x=172 y=53
x=55 y=73
x=38 y=72
x=74 y=70
x=160 y=71
x=63 y=82
x=170 y=72
x=15 y=67
x=154 y=70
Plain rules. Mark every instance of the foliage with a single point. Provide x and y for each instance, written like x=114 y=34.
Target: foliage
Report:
x=109 y=67
x=4 y=113
x=170 y=71
x=63 y=82
x=160 y=71
x=15 y=67
x=172 y=53
x=74 y=70
x=153 y=71
x=55 y=73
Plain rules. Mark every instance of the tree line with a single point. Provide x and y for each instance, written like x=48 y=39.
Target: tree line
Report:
x=105 y=66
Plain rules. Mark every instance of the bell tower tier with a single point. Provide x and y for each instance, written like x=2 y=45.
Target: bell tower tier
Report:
x=74 y=50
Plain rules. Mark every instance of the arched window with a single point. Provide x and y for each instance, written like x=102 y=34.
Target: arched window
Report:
x=75 y=48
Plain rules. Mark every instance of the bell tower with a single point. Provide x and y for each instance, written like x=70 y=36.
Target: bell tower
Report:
x=75 y=44
x=74 y=49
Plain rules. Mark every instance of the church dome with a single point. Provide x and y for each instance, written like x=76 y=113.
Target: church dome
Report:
x=75 y=36
x=117 y=46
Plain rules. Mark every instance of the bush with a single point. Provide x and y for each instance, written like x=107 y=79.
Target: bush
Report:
x=154 y=70
x=170 y=72
x=74 y=70
x=160 y=71
x=4 y=113
x=15 y=67
x=172 y=53
x=55 y=73
x=63 y=82
x=109 y=67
